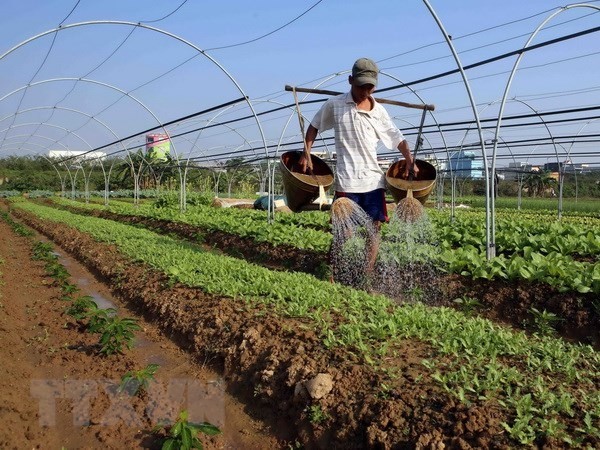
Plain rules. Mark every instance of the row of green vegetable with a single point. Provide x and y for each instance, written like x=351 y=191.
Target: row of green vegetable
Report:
x=536 y=251
x=545 y=385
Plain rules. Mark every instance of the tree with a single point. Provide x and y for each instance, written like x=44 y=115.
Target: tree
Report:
x=538 y=182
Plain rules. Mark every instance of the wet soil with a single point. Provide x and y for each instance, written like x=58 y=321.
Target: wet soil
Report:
x=57 y=392
x=269 y=362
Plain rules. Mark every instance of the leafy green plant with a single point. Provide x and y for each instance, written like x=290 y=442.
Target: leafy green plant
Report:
x=98 y=318
x=183 y=435
x=117 y=333
x=68 y=290
x=544 y=322
x=134 y=382
x=58 y=272
x=80 y=307
x=467 y=305
x=42 y=251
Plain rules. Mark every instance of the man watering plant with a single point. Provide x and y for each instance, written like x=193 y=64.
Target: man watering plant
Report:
x=359 y=124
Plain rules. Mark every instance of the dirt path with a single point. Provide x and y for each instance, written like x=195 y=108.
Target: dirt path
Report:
x=56 y=392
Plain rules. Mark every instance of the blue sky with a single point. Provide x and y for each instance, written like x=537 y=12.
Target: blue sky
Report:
x=402 y=36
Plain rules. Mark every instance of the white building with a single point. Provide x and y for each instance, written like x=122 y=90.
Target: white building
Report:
x=75 y=155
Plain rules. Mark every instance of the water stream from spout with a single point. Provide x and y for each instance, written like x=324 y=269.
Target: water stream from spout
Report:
x=404 y=268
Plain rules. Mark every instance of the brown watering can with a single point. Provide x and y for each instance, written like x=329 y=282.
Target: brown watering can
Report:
x=302 y=189
x=420 y=184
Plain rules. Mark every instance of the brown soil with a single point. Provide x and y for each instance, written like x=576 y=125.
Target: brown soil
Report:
x=57 y=392
x=511 y=303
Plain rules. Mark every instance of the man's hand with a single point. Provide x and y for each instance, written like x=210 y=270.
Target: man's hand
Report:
x=408 y=168
x=305 y=162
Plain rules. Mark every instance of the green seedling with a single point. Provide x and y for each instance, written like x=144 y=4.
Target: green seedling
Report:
x=183 y=435
x=21 y=230
x=57 y=271
x=42 y=251
x=117 y=333
x=544 y=322
x=98 y=318
x=468 y=305
x=134 y=382
x=80 y=308
x=68 y=290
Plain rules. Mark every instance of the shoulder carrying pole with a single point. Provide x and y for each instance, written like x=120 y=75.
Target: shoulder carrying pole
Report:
x=379 y=100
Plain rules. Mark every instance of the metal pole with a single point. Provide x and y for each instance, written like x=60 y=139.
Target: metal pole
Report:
x=490 y=244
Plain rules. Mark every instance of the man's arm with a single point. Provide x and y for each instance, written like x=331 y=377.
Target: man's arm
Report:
x=309 y=140
x=410 y=162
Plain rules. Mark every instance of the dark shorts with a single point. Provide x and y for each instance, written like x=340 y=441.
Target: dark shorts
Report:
x=373 y=202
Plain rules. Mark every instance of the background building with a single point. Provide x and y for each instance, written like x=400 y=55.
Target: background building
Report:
x=158 y=146
x=465 y=165
x=76 y=156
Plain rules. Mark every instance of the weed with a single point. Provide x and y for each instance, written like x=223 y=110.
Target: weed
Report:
x=316 y=415
x=416 y=294
x=385 y=391
x=183 y=435
x=296 y=445
x=323 y=271
x=39 y=338
x=134 y=382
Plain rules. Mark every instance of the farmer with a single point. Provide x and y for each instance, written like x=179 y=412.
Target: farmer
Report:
x=359 y=123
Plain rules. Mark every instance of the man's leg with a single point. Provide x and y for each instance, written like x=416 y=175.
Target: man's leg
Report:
x=374 y=205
